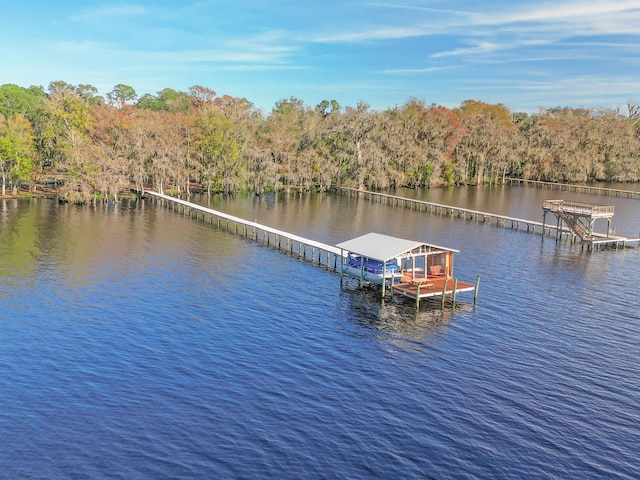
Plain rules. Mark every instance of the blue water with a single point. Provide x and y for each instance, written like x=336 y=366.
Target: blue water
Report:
x=138 y=343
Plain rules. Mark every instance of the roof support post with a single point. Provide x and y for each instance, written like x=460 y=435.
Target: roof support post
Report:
x=384 y=277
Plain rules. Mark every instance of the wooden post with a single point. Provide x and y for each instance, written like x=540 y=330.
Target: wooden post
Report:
x=453 y=295
x=393 y=278
x=384 y=274
x=444 y=289
x=418 y=296
x=475 y=292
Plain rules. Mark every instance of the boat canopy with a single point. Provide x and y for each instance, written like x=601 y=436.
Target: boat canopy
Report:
x=378 y=246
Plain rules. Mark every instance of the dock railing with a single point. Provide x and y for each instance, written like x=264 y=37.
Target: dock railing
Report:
x=580 y=208
x=305 y=248
x=498 y=220
x=567 y=187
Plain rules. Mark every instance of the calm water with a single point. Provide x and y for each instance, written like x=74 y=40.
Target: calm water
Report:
x=137 y=343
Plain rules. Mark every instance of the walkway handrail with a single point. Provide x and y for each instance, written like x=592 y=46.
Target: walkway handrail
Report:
x=441 y=205
x=578 y=207
x=576 y=187
x=248 y=223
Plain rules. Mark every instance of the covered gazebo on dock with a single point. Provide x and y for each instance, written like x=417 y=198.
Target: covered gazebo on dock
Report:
x=414 y=269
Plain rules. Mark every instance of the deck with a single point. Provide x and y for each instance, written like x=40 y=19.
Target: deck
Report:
x=579 y=209
x=421 y=288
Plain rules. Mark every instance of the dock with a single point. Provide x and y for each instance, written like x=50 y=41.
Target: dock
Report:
x=435 y=287
x=504 y=221
x=318 y=253
x=413 y=268
x=566 y=187
x=580 y=219
x=596 y=240
x=304 y=248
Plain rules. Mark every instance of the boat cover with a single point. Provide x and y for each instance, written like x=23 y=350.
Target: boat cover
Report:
x=378 y=246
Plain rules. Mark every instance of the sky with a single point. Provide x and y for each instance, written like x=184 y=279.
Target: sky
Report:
x=525 y=55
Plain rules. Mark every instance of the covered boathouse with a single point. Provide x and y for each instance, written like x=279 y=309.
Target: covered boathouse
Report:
x=414 y=269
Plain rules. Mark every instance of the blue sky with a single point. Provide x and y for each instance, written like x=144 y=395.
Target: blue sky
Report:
x=525 y=55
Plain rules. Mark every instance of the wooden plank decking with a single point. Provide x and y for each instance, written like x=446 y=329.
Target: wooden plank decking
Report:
x=306 y=249
x=432 y=287
x=514 y=223
x=422 y=288
x=505 y=221
x=566 y=187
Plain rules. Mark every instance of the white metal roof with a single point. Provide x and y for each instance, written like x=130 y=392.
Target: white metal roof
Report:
x=378 y=246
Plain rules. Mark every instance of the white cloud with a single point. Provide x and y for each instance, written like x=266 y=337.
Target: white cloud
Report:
x=261 y=68
x=557 y=20
x=415 y=71
x=103 y=12
x=386 y=33
x=480 y=48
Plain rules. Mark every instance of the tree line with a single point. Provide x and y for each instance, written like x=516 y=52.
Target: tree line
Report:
x=90 y=147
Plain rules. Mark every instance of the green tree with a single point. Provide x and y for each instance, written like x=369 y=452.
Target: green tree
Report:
x=167 y=100
x=16 y=151
x=121 y=95
x=218 y=152
x=17 y=100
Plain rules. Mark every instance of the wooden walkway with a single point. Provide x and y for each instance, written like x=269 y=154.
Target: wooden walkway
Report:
x=316 y=252
x=520 y=224
x=565 y=187
x=304 y=248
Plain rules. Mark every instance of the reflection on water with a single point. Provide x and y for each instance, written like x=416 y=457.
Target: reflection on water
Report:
x=145 y=344
x=396 y=320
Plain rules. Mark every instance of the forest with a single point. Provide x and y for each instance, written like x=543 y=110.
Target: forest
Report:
x=89 y=148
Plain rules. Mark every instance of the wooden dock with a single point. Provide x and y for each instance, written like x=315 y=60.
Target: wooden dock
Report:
x=566 y=187
x=435 y=287
x=580 y=217
x=315 y=252
x=504 y=221
x=513 y=223
x=304 y=248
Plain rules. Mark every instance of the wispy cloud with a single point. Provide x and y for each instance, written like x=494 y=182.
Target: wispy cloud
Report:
x=594 y=12
x=480 y=48
x=416 y=71
x=76 y=47
x=387 y=33
x=262 y=68
x=258 y=56
x=560 y=20
x=102 y=12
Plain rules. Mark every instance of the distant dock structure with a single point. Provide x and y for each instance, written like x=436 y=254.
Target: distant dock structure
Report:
x=504 y=221
x=567 y=187
x=580 y=219
x=570 y=224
